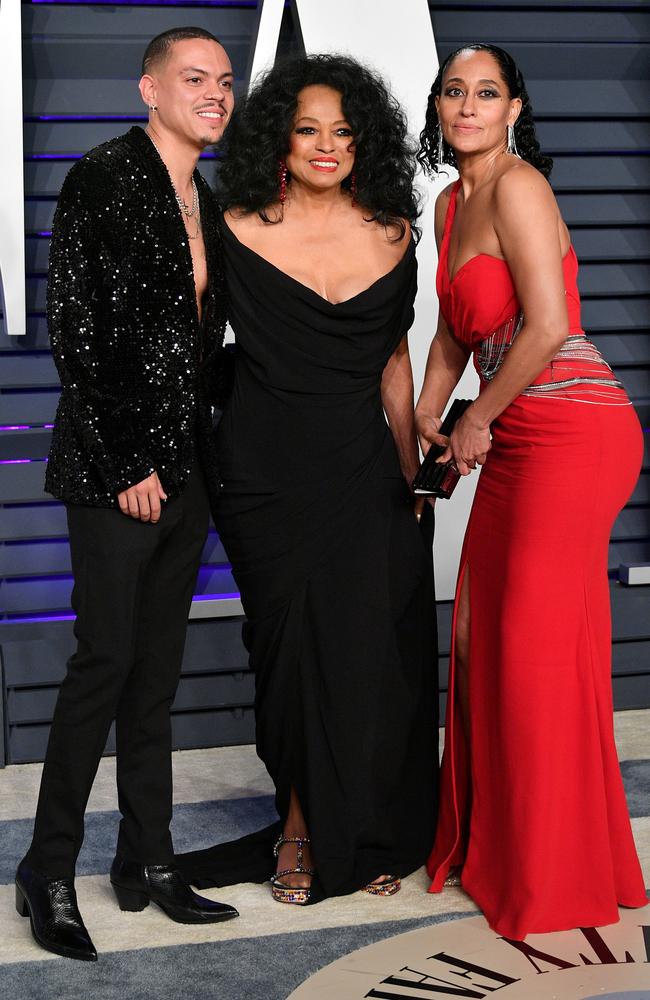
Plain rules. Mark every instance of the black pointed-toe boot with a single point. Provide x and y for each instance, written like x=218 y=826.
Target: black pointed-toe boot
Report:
x=51 y=905
x=137 y=885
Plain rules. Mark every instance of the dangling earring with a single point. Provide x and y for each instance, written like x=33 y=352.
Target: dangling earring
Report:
x=512 y=145
x=440 y=152
x=282 y=181
x=353 y=188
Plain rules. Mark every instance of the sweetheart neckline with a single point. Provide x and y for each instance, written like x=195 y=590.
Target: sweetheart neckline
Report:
x=490 y=256
x=308 y=288
x=449 y=221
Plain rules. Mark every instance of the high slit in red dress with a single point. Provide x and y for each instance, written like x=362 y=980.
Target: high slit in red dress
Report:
x=534 y=809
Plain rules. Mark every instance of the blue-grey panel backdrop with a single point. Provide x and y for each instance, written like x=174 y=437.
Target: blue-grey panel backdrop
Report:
x=587 y=65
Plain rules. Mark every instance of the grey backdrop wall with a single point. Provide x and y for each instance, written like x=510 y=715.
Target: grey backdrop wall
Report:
x=587 y=66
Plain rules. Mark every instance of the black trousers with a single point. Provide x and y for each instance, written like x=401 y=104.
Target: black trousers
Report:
x=133 y=586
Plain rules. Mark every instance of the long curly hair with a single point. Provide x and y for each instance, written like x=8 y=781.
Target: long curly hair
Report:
x=259 y=135
x=525 y=135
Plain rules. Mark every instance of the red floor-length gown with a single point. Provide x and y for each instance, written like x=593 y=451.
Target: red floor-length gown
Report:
x=534 y=809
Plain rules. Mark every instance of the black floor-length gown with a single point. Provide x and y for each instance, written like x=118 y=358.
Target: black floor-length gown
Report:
x=335 y=577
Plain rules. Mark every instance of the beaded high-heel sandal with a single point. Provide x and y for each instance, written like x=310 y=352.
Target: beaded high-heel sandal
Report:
x=388 y=887
x=299 y=895
x=455 y=876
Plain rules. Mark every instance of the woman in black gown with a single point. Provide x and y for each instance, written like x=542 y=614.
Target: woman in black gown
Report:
x=315 y=514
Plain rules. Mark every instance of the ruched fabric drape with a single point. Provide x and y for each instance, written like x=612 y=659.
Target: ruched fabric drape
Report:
x=335 y=577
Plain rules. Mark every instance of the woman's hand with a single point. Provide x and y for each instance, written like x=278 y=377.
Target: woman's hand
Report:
x=469 y=443
x=427 y=428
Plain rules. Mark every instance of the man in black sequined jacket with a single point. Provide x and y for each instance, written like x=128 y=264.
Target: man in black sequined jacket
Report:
x=136 y=312
x=138 y=371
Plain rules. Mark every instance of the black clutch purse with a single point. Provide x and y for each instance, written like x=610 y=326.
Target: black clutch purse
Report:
x=439 y=479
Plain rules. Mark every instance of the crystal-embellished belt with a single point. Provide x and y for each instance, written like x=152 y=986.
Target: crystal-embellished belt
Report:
x=578 y=361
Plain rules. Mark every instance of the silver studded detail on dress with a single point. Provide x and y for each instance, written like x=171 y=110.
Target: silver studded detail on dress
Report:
x=577 y=363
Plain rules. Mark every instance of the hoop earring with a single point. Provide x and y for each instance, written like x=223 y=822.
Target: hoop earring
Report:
x=512 y=145
x=353 y=188
x=282 y=181
x=440 y=150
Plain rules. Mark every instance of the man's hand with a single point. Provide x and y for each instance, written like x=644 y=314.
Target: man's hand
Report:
x=142 y=501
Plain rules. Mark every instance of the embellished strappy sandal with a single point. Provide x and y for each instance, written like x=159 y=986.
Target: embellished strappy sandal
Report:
x=455 y=876
x=388 y=887
x=299 y=895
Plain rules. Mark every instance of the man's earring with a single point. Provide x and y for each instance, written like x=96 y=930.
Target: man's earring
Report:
x=153 y=107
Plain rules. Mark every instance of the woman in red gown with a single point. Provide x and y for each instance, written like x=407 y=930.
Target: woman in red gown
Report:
x=533 y=813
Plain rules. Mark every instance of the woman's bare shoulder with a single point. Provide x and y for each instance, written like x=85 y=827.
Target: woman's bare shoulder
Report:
x=522 y=198
x=243 y=222
x=444 y=195
x=400 y=234
x=522 y=183
x=526 y=216
x=442 y=204
x=396 y=238
x=392 y=237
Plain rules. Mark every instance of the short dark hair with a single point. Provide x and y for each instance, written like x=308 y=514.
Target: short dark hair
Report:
x=259 y=136
x=158 y=48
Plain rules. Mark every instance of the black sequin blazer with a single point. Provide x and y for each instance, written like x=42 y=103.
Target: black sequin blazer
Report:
x=139 y=374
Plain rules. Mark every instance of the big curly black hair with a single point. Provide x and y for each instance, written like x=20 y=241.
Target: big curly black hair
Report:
x=525 y=136
x=259 y=134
